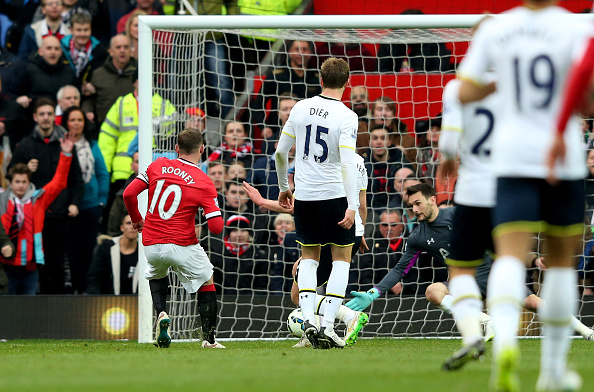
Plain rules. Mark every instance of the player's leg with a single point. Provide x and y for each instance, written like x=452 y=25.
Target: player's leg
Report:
x=308 y=234
x=563 y=234
x=208 y=309
x=532 y=303
x=516 y=217
x=156 y=273
x=559 y=295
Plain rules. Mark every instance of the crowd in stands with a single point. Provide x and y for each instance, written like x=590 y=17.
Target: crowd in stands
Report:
x=68 y=71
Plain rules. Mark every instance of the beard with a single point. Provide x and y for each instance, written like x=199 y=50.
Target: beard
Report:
x=360 y=108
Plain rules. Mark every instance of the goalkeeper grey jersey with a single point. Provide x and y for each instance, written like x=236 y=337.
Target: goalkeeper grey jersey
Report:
x=432 y=238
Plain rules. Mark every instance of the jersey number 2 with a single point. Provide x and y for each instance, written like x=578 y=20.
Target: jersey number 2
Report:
x=177 y=195
x=476 y=149
x=319 y=140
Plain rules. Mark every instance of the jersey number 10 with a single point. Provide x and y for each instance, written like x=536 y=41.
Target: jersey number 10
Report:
x=177 y=195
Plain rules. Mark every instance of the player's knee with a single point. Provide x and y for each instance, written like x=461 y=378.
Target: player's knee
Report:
x=434 y=294
x=532 y=302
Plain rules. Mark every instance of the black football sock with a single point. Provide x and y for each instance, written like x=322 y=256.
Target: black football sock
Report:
x=159 y=290
x=207 y=306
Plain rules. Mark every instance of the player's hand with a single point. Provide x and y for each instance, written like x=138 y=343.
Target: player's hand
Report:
x=363 y=247
x=348 y=220
x=362 y=299
x=267 y=132
x=6 y=251
x=138 y=226
x=539 y=263
x=556 y=153
x=32 y=165
x=285 y=199
x=447 y=169
x=253 y=194
x=67 y=143
x=72 y=210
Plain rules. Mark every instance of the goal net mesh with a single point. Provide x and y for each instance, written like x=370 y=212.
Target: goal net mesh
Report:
x=228 y=74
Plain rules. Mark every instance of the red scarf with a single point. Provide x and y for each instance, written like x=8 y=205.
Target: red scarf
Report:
x=394 y=246
x=236 y=250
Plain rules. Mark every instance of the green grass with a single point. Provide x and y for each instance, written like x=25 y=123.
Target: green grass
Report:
x=378 y=365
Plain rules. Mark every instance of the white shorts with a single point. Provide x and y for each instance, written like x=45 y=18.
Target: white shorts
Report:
x=190 y=264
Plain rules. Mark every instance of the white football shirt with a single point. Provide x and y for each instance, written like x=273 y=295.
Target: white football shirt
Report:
x=530 y=52
x=475 y=121
x=320 y=126
x=361 y=186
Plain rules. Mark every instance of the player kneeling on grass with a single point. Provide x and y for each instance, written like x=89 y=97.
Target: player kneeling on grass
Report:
x=177 y=188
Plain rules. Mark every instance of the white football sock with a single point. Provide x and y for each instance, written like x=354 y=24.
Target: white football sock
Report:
x=506 y=289
x=335 y=289
x=344 y=314
x=446 y=304
x=559 y=294
x=579 y=327
x=307 y=282
x=466 y=307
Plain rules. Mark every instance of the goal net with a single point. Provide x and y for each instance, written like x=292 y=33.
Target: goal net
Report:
x=249 y=76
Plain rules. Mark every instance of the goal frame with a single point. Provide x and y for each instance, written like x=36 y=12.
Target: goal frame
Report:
x=148 y=23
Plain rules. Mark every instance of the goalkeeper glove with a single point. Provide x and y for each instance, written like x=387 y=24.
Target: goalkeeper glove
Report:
x=362 y=300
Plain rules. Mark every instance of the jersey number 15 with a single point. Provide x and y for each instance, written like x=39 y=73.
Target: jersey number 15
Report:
x=319 y=131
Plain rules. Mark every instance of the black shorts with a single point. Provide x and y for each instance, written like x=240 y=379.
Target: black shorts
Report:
x=471 y=236
x=531 y=205
x=325 y=267
x=316 y=223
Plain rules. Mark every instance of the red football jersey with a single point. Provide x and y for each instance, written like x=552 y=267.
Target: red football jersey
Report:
x=177 y=188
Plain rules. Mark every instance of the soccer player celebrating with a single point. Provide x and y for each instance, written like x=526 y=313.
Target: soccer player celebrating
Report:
x=177 y=188
x=530 y=52
x=325 y=133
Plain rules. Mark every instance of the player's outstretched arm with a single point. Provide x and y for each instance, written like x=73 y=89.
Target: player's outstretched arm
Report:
x=272 y=205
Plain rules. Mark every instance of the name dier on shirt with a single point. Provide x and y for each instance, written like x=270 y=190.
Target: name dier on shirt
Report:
x=178 y=172
x=318 y=112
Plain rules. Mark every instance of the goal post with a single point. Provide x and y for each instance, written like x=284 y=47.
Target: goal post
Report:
x=184 y=81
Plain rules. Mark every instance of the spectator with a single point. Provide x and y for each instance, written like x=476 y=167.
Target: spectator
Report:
x=85 y=226
x=118 y=208
x=235 y=147
x=217 y=173
x=119 y=129
x=16 y=80
x=197 y=119
x=295 y=77
x=132 y=31
x=240 y=266
x=72 y=7
x=383 y=114
x=236 y=170
x=590 y=181
x=396 y=200
x=381 y=170
x=428 y=156
x=280 y=270
x=357 y=55
x=83 y=52
x=112 y=80
x=359 y=105
x=13 y=122
x=50 y=25
x=286 y=101
x=39 y=152
x=48 y=70
x=23 y=212
x=113 y=269
x=386 y=248
x=425 y=57
x=150 y=7
x=283 y=224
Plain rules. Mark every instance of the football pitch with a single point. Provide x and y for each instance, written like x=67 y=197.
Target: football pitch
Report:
x=371 y=365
